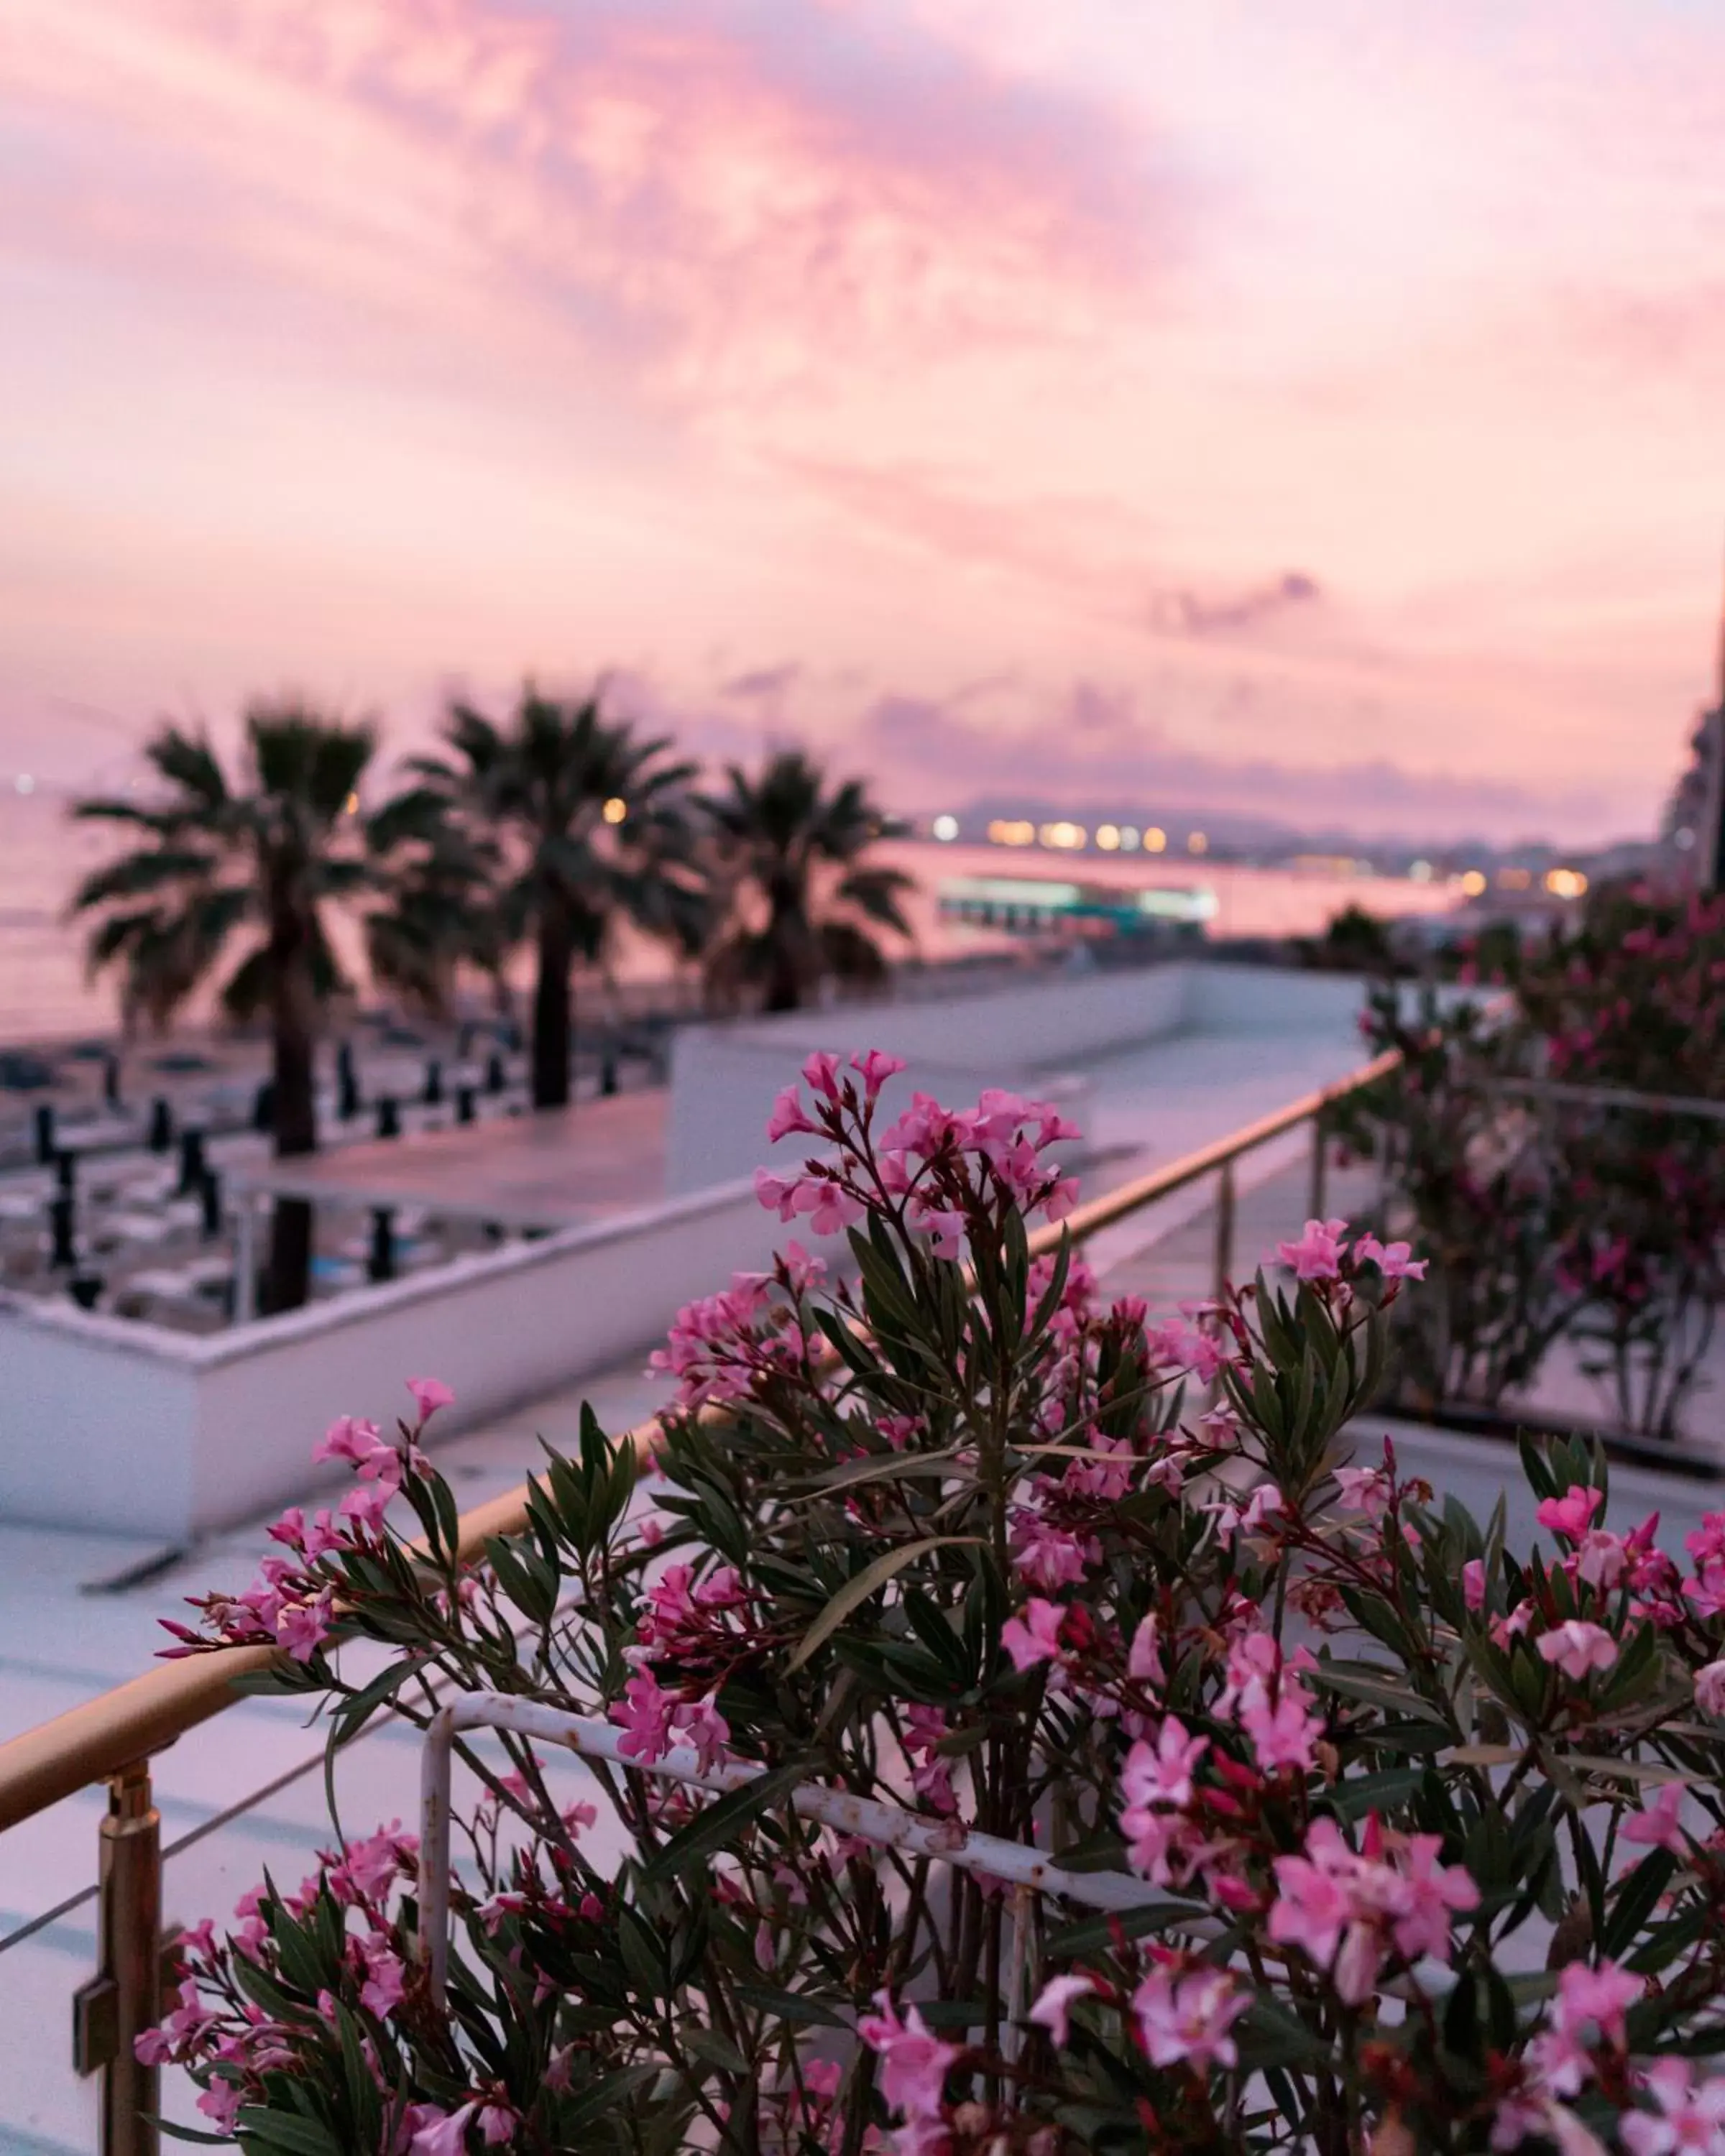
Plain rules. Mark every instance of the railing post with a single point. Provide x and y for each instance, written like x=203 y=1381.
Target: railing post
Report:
x=245 y=1259
x=1224 y=1230
x=111 y=2013
x=1319 y=1162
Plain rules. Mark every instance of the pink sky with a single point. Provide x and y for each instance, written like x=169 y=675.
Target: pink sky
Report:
x=1317 y=405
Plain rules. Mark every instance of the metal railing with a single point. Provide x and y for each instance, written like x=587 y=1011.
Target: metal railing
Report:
x=111 y=1738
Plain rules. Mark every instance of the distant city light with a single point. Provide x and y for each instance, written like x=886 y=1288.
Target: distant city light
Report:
x=24 y=782
x=1004 y=831
x=1155 y=839
x=1474 y=882
x=1108 y=838
x=1131 y=838
x=1065 y=837
x=352 y=804
x=1198 y=843
x=945 y=828
x=616 y=808
x=1420 y=871
x=1565 y=883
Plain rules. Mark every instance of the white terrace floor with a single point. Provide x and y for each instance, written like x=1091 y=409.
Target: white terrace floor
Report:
x=61 y=1644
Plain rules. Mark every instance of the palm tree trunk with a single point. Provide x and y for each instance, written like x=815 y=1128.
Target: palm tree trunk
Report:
x=553 y=1010
x=784 y=979
x=288 y=1279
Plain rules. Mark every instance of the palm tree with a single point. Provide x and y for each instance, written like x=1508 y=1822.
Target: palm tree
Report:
x=804 y=901
x=442 y=914
x=591 y=827
x=265 y=853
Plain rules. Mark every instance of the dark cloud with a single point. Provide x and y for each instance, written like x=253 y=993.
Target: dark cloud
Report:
x=1185 y=613
x=763 y=681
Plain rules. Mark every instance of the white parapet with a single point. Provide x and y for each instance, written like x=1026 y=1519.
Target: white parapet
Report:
x=110 y=1424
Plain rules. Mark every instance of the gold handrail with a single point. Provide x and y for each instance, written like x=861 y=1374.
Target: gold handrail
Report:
x=90 y=1743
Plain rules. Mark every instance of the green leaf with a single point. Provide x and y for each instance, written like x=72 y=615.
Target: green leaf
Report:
x=283 y=2130
x=1636 y=1901
x=602 y=2096
x=869 y=1581
x=1094 y=1934
x=708 y=2045
x=798 y=2006
x=719 y=1824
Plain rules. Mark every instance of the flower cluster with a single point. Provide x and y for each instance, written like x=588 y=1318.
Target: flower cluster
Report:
x=291 y=1604
x=1399 y=1840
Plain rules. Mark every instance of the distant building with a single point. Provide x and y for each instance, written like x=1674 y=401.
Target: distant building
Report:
x=1043 y=905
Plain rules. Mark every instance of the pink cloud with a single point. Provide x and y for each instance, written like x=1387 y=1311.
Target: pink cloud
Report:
x=728 y=195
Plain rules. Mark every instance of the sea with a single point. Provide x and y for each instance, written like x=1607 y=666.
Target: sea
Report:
x=45 y=994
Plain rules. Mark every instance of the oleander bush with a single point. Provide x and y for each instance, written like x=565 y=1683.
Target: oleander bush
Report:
x=1421 y=1834
x=1555 y=1216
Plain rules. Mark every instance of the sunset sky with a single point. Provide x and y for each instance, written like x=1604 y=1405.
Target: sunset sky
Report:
x=1315 y=406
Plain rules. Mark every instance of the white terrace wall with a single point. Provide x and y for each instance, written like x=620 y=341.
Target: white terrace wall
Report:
x=118 y=1426
x=722 y=1074
x=132 y=1428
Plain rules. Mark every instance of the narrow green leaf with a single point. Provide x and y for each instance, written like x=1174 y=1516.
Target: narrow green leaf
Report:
x=869 y=1581
x=719 y=1824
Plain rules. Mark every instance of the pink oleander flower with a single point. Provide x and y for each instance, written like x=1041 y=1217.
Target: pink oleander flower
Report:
x=1265 y=1503
x=945 y=1229
x=1473 y=1584
x=875 y=1067
x=1572 y=1514
x=367 y=1868
x=930 y=1775
x=1317 y=1255
x=1185 y=2020
x=1602 y=1559
x=367 y=1506
x=429 y=1394
x=289 y=1529
x=1657 y=1826
x=1710 y=1689
x=820 y=1075
x=789 y=1115
x=1160 y=1775
x=221 y=2104
x=1364 y=1490
x=1285 y=1735
x=1395 y=1260
x=1054 y=2005
x=1577 y=1647
x=645 y=1713
x=438 y=2133
x=350 y=1438
x=1687 y=2115
x=1143 y=1661
x=1599 y=1995
x=1034 y=1637
x=385 y=1980
x=914 y=2062
x=181 y=2033
x=497 y=2123
x=1347 y=1911
x=707 y=1729
x=1049 y=1556
x=302 y=1627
